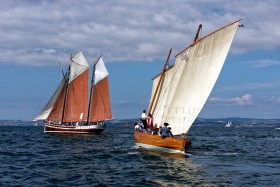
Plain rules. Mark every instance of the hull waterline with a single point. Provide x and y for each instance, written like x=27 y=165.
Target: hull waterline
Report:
x=156 y=143
x=85 y=129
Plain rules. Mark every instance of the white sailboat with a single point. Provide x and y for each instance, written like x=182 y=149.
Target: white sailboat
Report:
x=180 y=91
x=229 y=124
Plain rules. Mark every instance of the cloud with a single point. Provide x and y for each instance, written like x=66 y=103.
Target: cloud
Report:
x=126 y=30
x=272 y=99
x=260 y=63
x=246 y=99
x=253 y=86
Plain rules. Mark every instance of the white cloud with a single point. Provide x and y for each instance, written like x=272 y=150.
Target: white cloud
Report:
x=127 y=30
x=260 y=63
x=272 y=99
x=253 y=86
x=246 y=99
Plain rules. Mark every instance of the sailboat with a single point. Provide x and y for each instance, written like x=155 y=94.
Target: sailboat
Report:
x=77 y=106
x=229 y=124
x=180 y=91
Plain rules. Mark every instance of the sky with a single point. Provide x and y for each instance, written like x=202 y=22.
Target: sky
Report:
x=37 y=38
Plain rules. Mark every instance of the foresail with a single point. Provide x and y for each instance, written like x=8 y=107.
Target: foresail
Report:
x=57 y=109
x=43 y=115
x=100 y=102
x=189 y=83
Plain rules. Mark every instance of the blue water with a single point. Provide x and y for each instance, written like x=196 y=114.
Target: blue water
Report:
x=247 y=154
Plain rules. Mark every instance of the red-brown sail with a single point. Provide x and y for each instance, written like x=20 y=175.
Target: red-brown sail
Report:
x=77 y=99
x=56 y=112
x=69 y=107
x=100 y=105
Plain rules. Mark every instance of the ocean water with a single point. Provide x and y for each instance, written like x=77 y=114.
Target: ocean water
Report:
x=246 y=154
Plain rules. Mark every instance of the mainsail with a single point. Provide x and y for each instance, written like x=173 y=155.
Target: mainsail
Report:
x=100 y=103
x=77 y=96
x=187 y=85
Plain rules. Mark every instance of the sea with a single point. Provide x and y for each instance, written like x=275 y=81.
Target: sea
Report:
x=245 y=154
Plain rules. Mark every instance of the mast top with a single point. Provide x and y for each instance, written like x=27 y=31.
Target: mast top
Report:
x=197 y=32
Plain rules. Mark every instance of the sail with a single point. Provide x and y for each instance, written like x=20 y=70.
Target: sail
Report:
x=43 y=115
x=57 y=109
x=77 y=95
x=100 y=103
x=187 y=85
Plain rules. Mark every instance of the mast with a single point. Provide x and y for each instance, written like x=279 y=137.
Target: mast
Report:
x=66 y=92
x=197 y=32
x=91 y=88
x=161 y=77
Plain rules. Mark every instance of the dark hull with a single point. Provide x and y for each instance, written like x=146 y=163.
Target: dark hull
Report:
x=85 y=129
x=155 y=142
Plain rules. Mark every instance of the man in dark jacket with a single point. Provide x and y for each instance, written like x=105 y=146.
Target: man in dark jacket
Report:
x=165 y=131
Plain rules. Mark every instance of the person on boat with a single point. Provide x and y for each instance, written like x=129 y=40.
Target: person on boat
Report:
x=144 y=119
x=150 y=123
x=137 y=127
x=159 y=130
x=155 y=129
x=165 y=131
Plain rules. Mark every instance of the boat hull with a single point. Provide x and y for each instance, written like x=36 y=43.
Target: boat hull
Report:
x=84 y=129
x=155 y=142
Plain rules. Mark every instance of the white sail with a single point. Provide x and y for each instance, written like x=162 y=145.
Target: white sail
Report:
x=188 y=84
x=100 y=71
x=43 y=115
x=78 y=65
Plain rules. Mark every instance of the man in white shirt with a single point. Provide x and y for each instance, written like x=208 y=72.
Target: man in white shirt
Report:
x=144 y=119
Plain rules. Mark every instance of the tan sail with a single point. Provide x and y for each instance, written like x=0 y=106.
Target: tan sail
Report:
x=187 y=85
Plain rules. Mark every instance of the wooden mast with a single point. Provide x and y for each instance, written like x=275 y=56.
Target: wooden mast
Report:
x=66 y=92
x=91 y=88
x=197 y=32
x=160 y=80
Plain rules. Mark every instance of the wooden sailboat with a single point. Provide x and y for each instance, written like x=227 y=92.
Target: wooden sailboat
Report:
x=180 y=91
x=75 y=107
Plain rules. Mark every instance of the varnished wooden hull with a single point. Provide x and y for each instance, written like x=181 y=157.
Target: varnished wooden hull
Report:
x=85 y=129
x=155 y=142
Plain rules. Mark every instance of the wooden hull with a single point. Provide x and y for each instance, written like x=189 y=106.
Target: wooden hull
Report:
x=155 y=142
x=85 y=129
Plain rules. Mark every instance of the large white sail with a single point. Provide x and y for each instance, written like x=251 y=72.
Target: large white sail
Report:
x=188 y=84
